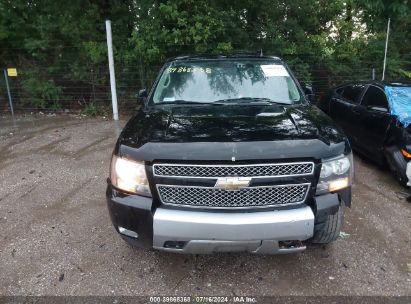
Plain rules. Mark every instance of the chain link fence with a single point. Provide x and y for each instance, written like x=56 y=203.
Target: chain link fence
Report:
x=88 y=91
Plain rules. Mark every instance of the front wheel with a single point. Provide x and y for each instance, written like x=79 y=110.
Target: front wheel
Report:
x=331 y=228
x=397 y=164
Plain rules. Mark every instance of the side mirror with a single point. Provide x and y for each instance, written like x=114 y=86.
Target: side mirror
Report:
x=309 y=95
x=312 y=98
x=308 y=90
x=142 y=96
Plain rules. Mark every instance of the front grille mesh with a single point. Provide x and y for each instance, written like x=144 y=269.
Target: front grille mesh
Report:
x=209 y=197
x=260 y=170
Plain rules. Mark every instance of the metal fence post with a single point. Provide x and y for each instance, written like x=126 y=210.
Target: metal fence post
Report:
x=111 y=67
x=6 y=78
x=386 y=47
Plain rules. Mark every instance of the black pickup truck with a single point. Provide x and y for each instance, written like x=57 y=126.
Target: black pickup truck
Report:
x=227 y=154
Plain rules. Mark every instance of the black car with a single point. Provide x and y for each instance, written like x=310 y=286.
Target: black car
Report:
x=375 y=116
x=227 y=154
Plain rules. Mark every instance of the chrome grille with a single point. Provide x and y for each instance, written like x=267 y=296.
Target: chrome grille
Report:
x=210 y=197
x=210 y=171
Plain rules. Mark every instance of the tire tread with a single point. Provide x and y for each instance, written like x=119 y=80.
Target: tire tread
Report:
x=331 y=229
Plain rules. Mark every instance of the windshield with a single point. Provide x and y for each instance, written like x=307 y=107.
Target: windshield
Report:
x=208 y=81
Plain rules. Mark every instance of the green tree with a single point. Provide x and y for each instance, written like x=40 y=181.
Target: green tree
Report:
x=60 y=46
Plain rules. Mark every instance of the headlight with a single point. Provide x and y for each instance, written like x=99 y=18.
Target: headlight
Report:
x=337 y=167
x=335 y=174
x=129 y=176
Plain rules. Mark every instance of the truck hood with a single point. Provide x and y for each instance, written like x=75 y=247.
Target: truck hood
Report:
x=222 y=132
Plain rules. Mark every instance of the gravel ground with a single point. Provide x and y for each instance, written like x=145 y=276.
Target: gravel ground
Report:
x=56 y=237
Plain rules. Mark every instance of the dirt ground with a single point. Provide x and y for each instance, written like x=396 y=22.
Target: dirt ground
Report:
x=56 y=237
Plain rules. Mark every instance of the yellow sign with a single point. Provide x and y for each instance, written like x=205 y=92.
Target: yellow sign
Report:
x=12 y=72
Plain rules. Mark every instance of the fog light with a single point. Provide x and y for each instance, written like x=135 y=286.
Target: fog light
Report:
x=175 y=244
x=127 y=232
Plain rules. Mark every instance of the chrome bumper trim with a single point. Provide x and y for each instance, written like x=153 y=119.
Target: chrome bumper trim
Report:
x=257 y=232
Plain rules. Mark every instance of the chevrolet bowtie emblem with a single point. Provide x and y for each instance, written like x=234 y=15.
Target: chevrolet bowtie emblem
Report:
x=232 y=183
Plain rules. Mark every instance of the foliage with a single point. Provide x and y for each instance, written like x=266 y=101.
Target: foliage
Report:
x=92 y=109
x=42 y=93
x=60 y=46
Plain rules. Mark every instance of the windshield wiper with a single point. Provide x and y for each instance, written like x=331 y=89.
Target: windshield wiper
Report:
x=187 y=102
x=227 y=101
x=251 y=100
x=179 y=101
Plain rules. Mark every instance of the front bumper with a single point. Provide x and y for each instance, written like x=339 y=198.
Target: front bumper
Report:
x=207 y=232
x=194 y=231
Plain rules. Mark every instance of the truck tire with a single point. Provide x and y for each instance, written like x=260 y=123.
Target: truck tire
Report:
x=331 y=229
